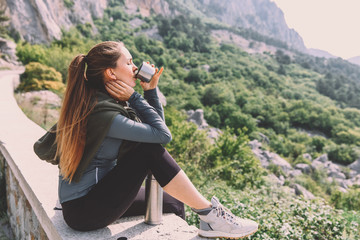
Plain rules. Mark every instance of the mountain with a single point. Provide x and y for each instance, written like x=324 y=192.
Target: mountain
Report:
x=262 y=16
x=355 y=60
x=41 y=21
x=320 y=53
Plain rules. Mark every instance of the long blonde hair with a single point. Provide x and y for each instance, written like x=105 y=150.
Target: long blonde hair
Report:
x=85 y=77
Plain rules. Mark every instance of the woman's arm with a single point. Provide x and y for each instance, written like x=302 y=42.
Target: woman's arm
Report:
x=152 y=98
x=152 y=130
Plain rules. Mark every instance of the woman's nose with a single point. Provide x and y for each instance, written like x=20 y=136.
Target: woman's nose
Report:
x=135 y=67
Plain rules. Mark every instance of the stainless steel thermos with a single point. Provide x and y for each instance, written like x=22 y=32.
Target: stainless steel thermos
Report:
x=154 y=201
x=145 y=72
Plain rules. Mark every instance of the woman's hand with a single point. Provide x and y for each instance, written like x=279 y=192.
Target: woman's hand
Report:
x=119 y=90
x=154 y=81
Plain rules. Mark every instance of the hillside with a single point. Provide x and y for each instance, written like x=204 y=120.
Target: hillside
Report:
x=254 y=88
x=355 y=60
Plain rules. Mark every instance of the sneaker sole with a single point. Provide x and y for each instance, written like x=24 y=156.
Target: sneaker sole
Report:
x=217 y=234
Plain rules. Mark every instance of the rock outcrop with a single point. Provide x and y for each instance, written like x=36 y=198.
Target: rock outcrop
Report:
x=8 y=58
x=41 y=21
x=343 y=176
x=262 y=16
x=197 y=117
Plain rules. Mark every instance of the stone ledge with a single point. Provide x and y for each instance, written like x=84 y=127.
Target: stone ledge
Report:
x=173 y=227
x=32 y=186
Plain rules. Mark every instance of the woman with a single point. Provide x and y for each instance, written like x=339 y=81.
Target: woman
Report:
x=105 y=149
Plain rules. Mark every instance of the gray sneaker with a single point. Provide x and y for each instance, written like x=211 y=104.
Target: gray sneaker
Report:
x=220 y=222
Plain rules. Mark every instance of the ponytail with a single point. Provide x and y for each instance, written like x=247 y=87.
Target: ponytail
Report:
x=71 y=128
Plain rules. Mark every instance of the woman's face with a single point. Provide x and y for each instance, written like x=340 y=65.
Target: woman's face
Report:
x=125 y=68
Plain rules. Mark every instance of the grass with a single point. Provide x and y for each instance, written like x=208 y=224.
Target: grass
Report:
x=45 y=115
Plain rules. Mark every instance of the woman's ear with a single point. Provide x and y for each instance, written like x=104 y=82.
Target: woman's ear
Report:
x=109 y=74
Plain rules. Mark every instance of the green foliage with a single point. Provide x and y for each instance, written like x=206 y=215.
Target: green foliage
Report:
x=348 y=201
x=184 y=33
x=189 y=146
x=317 y=183
x=233 y=161
x=40 y=77
x=218 y=93
x=69 y=3
x=276 y=170
x=343 y=154
x=340 y=80
x=282 y=58
x=230 y=158
x=282 y=215
x=59 y=54
x=187 y=139
x=196 y=76
x=30 y=53
x=3 y=23
x=85 y=29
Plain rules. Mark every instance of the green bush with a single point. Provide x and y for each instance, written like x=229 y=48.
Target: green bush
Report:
x=189 y=145
x=348 y=201
x=69 y=3
x=30 y=53
x=40 y=77
x=343 y=154
x=233 y=161
x=59 y=54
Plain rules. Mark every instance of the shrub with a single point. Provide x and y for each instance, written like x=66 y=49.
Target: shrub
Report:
x=40 y=77
x=343 y=154
x=189 y=145
x=30 y=53
x=232 y=159
x=69 y=3
x=348 y=201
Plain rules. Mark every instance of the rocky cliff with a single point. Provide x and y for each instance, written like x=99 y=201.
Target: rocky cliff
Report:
x=262 y=16
x=40 y=21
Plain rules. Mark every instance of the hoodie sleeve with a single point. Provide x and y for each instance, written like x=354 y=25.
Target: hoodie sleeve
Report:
x=153 y=128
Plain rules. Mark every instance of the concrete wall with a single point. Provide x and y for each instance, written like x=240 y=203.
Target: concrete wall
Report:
x=22 y=218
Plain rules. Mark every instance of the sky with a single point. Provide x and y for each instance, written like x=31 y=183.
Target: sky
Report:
x=330 y=25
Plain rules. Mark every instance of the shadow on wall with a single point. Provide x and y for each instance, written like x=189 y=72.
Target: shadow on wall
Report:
x=5 y=229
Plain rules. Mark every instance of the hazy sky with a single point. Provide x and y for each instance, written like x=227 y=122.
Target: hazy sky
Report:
x=330 y=25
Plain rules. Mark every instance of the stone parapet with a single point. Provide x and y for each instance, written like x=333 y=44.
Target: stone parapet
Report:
x=31 y=186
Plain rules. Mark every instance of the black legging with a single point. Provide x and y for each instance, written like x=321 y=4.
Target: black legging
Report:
x=119 y=193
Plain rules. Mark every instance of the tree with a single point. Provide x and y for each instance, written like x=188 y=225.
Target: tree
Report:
x=196 y=75
x=215 y=94
x=282 y=58
x=3 y=24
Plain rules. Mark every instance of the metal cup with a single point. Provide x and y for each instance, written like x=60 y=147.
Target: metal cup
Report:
x=145 y=72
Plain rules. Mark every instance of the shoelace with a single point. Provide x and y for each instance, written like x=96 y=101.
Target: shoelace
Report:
x=225 y=213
